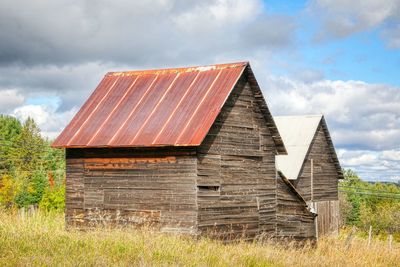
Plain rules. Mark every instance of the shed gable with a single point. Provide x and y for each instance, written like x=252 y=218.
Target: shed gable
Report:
x=325 y=173
x=237 y=158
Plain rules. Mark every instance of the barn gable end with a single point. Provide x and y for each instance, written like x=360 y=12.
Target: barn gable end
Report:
x=236 y=172
x=325 y=171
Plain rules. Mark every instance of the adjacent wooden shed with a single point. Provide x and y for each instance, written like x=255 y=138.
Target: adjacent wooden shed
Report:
x=187 y=150
x=312 y=166
x=295 y=219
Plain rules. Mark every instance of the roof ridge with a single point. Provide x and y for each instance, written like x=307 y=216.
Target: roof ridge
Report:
x=180 y=69
x=298 y=116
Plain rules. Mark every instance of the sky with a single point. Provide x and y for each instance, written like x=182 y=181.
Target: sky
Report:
x=332 y=57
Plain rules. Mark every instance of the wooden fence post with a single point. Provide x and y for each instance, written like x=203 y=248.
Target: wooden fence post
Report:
x=390 y=241
x=369 y=235
x=21 y=212
x=350 y=238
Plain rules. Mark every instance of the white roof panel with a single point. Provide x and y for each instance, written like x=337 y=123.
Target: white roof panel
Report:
x=297 y=133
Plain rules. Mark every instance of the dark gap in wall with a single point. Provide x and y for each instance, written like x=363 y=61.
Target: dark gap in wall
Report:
x=208 y=188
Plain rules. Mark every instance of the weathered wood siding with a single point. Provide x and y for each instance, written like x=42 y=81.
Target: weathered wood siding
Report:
x=236 y=171
x=117 y=186
x=294 y=221
x=325 y=173
x=74 y=192
x=328 y=217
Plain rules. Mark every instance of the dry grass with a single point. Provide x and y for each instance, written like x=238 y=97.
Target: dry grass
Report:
x=41 y=239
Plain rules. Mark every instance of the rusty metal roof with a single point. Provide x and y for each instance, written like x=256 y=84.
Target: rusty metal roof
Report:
x=164 y=107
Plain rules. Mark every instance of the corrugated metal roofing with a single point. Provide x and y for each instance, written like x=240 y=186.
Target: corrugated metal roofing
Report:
x=297 y=133
x=166 y=107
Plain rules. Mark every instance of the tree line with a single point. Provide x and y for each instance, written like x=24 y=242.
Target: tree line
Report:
x=363 y=204
x=31 y=172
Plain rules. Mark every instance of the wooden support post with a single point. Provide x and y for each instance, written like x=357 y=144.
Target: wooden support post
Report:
x=370 y=236
x=314 y=205
x=390 y=241
x=312 y=180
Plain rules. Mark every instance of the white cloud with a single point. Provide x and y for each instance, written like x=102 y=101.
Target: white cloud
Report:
x=63 y=48
x=71 y=83
x=135 y=32
x=49 y=121
x=217 y=13
x=355 y=159
x=391 y=155
x=372 y=165
x=364 y=119
x=392 y=36
x=341 y=18
x=359 y=114
x=9 y=99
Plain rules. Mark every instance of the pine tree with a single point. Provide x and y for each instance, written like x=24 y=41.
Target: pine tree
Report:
x=29 y=148
x=10 y=129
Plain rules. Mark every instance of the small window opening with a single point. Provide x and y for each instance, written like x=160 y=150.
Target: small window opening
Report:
x=207 y=188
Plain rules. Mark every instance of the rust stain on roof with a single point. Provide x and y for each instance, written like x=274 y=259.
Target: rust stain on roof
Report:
x=163 y=107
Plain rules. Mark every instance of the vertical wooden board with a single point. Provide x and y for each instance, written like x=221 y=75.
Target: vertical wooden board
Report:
x=328 y=217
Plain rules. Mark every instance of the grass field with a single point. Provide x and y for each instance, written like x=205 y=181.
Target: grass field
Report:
x=41 y=240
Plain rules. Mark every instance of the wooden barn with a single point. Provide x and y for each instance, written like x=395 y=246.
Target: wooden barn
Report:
x=312 y=167
x=189 y=150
